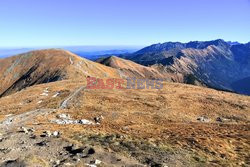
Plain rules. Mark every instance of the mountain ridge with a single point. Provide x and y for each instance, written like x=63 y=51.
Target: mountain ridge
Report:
x=43 y=66
x=215 y=63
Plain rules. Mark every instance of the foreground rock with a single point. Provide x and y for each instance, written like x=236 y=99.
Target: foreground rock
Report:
x=20 y=150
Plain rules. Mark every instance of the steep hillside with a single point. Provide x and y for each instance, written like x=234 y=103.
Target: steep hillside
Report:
x=216 y=67
x=161 y=53
x=45 y=66
x=241 y=53
x=242 y=86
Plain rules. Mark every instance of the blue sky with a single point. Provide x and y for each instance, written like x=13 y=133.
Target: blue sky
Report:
x=121 y=22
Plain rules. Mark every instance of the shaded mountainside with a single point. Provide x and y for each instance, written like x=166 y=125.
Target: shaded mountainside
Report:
x=242 y=86
x=45 y=66
x=217 y=64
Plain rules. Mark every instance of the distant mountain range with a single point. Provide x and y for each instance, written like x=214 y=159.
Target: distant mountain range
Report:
x=158 y=53
x=216 y=64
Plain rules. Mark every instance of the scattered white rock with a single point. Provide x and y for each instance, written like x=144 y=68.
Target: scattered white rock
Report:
x=63 y=116
x=55 y=95
x=98 y=162
x=91 y=165
x=56 y=134
x=39 y=102
x=65 y=119
x=1 y=138
x=67 y=164
x=26 y=130
x=44 y=94
x=57 y=162
x=60 y=122
x=203 y=119
x=86 y=122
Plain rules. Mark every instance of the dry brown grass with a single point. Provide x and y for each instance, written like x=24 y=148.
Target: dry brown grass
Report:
x=158 y=123
x=163 y=117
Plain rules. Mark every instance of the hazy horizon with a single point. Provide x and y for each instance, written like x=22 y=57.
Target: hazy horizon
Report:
x=84 y=51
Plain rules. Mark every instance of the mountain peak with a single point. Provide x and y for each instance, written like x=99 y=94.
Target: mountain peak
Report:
x=43 y=66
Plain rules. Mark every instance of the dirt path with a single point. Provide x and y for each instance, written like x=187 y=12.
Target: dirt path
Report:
x=32 y=148
x=16 y=121
x=65 y=103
